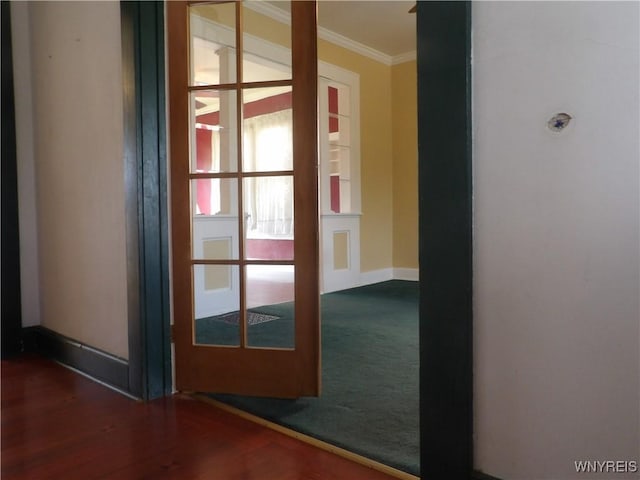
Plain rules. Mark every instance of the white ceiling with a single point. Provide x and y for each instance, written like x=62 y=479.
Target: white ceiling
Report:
x=384 y=25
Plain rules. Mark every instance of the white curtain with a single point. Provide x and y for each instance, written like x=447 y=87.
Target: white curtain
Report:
x=269 y=200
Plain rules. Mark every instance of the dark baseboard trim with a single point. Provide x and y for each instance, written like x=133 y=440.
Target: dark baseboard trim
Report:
x=100 y=365
x=477 y=475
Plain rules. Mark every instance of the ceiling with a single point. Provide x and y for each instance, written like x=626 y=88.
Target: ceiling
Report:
x=385 y=26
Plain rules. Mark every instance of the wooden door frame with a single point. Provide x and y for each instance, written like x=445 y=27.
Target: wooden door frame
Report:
x=445 y=227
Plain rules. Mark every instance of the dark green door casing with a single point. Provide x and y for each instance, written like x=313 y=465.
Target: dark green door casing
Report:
x=445 y=229
x=146 y=198
x=11 y=318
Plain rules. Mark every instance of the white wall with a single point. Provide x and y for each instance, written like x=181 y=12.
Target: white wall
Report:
x=557 y=282
x=77 y=133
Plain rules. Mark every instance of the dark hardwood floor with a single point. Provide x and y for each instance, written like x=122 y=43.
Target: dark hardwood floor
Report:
x=57 y=424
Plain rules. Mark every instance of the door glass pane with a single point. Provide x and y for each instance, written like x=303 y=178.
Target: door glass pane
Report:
x=215 y=221
x=216 y=291
x=213 y=44
x=270 y=63
x=267 y=129
x=214 y=143
x=270 y=303
x=268 y=213
x=214 y=196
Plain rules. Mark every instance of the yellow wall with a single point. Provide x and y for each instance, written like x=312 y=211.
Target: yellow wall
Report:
x=267 y=28
x=254 y=23
x=388 y=149
x=376 y=227
x=389 y=158
x=405 y=165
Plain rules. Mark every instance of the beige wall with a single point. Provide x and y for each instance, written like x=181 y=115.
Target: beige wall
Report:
x=79 y=172
x=405 y=164
x=556 y=236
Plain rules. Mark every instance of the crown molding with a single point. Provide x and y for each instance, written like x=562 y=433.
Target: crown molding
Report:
x=340 y=40
x=404 y=57
x=270 y=11
x=352 y=45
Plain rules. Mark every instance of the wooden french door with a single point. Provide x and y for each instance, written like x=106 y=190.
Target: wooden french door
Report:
x=244 y=199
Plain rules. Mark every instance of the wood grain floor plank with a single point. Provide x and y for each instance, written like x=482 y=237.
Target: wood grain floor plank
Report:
x=57 y=424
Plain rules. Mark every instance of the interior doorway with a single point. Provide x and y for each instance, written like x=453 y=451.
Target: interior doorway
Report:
x=341 y=203
x=446 y=407
x=241 y=233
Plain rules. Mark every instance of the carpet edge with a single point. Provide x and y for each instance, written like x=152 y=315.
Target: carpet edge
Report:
x=348 y=455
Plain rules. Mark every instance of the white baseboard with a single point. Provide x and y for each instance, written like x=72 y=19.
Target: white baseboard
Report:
x=376 y=276
x=385 y=274
x=412 y=274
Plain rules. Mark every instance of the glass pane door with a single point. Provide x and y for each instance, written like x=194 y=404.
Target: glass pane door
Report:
x=244 y=188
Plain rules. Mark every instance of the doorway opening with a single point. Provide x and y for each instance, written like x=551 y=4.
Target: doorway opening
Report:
x=267 y=215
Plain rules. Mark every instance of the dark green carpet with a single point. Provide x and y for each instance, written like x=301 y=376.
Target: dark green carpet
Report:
x=369 y=402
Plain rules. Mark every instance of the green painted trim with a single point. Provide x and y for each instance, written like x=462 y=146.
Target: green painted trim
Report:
x=445 y=228
x=145 y=143
x=11 y=319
